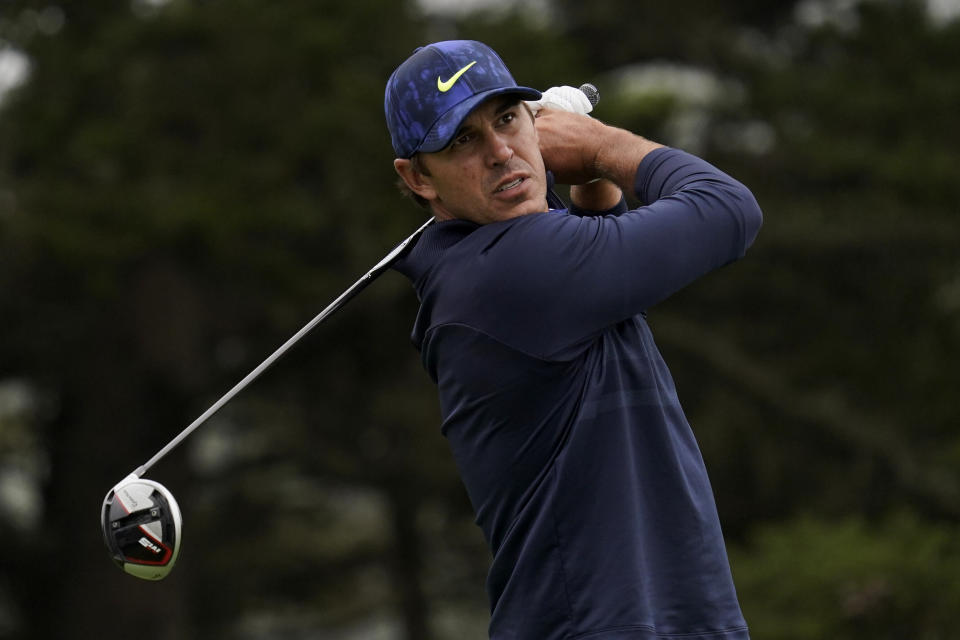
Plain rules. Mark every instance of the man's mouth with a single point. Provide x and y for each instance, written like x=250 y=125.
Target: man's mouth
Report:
x=510 y=185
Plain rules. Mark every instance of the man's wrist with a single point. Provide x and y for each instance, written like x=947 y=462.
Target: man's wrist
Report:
x=619 y=155
x=596 y=195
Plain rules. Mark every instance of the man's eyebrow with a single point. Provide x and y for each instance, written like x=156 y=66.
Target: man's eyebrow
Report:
x=464 y=128
x=508 y=103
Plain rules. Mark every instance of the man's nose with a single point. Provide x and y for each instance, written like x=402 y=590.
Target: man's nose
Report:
x=500 y=150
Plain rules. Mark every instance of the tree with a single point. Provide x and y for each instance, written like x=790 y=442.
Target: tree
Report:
x=192 y=181
x=184 y=184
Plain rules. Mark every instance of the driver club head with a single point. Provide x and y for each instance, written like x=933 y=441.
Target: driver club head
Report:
x=141 y=526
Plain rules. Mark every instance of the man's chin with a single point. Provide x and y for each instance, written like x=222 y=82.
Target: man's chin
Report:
x=535 y=204
x=499 y=212
x=525 y=210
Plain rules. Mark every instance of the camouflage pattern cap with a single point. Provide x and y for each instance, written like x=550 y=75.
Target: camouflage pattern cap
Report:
x=430 y=94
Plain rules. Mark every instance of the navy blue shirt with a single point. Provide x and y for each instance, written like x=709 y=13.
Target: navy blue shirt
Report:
x=562 y=416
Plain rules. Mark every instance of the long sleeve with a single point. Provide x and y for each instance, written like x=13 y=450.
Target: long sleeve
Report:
x=550 y=280
x=563 y=418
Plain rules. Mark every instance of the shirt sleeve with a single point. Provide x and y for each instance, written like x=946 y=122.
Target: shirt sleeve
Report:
x=548 y=281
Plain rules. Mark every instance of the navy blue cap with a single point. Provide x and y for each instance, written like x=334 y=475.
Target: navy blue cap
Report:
x=430 y=94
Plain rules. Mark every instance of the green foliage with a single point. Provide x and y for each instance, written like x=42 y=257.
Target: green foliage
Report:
x=184 y=184
x=850 y=578
x=857 y=255
x=193 y=182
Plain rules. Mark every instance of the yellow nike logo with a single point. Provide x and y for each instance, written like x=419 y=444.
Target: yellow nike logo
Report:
x=446 y=86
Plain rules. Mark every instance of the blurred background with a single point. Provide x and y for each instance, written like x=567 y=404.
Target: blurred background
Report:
x=185 y=183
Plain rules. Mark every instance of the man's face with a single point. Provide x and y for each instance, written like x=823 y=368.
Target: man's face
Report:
x=491 y=171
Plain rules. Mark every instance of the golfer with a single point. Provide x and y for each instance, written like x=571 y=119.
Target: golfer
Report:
x=561 y=414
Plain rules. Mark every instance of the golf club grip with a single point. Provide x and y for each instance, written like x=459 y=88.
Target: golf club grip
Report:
x=592 y=93
x=341 y=300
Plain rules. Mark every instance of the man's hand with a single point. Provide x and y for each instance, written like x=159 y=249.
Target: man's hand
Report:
x=568 y=143
x=578 y=149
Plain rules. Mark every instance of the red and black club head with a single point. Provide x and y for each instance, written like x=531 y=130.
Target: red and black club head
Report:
x=141 y=527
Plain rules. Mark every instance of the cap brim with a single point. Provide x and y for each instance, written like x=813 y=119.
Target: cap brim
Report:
x=444 y=129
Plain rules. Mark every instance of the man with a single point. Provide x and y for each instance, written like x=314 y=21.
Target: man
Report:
x=563 y=419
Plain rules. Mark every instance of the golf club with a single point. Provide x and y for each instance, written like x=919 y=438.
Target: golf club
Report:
x=140 y=518
x=141 y=527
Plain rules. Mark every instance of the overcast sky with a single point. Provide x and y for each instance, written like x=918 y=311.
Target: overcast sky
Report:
x=940 y=10
x=14 y=66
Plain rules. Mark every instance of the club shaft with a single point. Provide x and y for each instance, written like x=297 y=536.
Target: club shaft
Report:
x=341 y=300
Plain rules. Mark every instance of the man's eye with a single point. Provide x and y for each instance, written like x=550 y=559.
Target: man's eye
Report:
x=461 y=140
x=508 y=118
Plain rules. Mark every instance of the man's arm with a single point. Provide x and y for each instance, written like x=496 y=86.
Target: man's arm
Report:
x=596 y=196
x=565 y=277
x=579 y=149
x=562 y=278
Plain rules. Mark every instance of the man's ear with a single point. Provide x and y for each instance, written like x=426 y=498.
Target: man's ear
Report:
x=418 y=182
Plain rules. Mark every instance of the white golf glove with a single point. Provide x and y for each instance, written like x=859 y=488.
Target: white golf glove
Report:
x=566 y=98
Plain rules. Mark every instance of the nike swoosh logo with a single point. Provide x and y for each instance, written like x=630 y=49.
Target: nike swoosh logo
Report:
x=446 y=86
